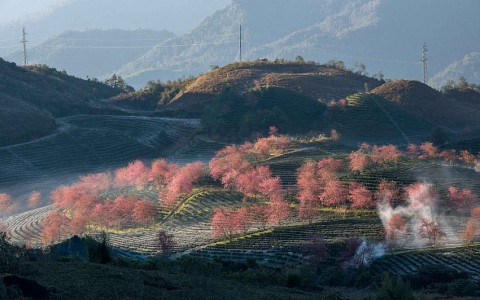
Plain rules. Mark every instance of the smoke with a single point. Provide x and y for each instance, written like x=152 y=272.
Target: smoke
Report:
x=419 y=223
x=366 y=253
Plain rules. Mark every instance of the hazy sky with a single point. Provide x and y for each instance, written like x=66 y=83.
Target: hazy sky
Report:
x=11 y=10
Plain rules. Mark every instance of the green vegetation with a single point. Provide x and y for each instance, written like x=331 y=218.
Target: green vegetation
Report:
x=369 y=117
x=233 y=115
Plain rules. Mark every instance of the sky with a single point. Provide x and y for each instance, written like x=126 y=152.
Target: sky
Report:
x=11 y=10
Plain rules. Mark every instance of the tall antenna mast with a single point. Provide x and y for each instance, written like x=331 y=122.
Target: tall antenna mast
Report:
x=240 y=42
x=24 y=43
x=424 y=61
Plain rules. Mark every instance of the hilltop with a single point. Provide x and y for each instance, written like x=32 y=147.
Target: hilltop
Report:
x=320 y=82
x=425 y=102
x=34 y=95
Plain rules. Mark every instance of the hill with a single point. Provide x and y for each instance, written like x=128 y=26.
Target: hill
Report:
x=319 y=30
x=320 y=82
x=32 y=95
x=241 y=99
x=467 y=67
x=93 y=53
x=423 y=101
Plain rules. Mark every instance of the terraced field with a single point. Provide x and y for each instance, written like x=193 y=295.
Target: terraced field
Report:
x=285 y=245
x=26 y=227
x=86 y=144
x=368 y=117
x=462 y=259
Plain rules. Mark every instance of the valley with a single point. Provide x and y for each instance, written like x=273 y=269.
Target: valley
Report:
x=315 y=175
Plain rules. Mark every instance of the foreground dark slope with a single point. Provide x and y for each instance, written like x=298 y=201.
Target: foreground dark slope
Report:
x=32 y=96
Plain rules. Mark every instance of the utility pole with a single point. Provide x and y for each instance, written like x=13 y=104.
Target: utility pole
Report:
x=24 y=43
x=240 y=42
x=424 y=61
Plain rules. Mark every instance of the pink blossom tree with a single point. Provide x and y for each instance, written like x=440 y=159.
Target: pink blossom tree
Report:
x=278 y=211
x=360 y=196
x=358 y=161
x=334 y=194
x=461 y=199
x=431 y=231
x=34 y=199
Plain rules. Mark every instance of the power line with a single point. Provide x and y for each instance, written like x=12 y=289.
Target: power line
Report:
x=24 y=43
x=138 y=47
x=240 y=42
x=424 y=61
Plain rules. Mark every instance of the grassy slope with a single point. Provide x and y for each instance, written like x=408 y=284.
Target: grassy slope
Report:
x=21 y=121
x=316 y=81
x=368 y=117
x=430 y=104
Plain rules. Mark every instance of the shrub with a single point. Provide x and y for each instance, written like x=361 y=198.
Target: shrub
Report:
x=394 y=290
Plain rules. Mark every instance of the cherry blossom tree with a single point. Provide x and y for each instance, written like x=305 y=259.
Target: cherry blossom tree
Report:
x=329 y=165
x=161 y=171
x=55 y=227
x=222 y=227
x=388 y=192
x=431 y=231
x=461 y=199
x=144 y=212
x=227 y=165
x=182 y=183
x=422 y=195
x=121 y=210
x=385 y=154
x=413 y=150
x=396 y=227
x=307 y=183
x=335 y=135
x=470 y=232
x=334 y=194
x=34 y=199
x=6 y=203
x=467 y=158
x=428 y=150
x=135 y=174
x=259 y=214
x=358 y=161
x=241 y=220
x=278 y=211
x=449 y=155
x=97 y=183
x=473 y=226
x=360 y=196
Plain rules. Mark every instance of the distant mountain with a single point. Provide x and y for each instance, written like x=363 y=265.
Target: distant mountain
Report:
x=93 y=53
x=468 y=67
x=177 y=16
x=382 y=34
x=31 y=97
